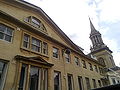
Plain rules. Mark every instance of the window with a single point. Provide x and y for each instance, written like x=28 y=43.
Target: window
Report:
x=3 y=67
x=57 y=82
x=6 y=33
x=101 y=61
x=84 y=64
x=77 y=61
x=70 y=82
x=99 y=83
x=45 y=48
x=34 y=77
x=88 y=83
x=96 y=69
x=22 y=77
x=90 y=66
x=26 y=41
x=35 y=22
x=37 y=78
x=67 y=57
x=94 y=83
x=36 y=45
x=113 y=81
x=101 y=70
x=55 y=52
x=80 y=82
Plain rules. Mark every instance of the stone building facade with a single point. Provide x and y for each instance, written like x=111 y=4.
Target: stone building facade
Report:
x=35 y=54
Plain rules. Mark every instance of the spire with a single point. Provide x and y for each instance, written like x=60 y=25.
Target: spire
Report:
x=93 y=30
x=96 y=38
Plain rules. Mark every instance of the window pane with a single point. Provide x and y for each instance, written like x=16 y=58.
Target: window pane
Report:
x=22 y=77
x=1 y=35
x=9 y=31
x=26 y=37
x=34 y=77
x=2 y=28
x=8 y=38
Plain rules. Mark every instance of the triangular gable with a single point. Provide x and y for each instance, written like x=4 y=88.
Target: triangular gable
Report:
x=55 y=33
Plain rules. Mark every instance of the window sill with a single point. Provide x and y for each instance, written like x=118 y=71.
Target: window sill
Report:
x=35 y=52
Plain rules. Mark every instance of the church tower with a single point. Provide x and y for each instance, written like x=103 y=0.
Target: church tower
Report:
x=99 y=49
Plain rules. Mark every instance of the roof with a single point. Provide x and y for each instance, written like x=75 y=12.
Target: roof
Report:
x=115 y=68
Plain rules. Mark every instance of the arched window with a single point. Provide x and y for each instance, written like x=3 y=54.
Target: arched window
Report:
x=101 y=61
x=35 y=22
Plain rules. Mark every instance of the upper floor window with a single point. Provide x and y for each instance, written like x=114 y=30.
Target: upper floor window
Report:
x=96 y=69
x=77 y=61
x=91 y=68
x=26 y=41
x=36 y=45
x=35 y=22
x=45 y=48
x=84 y=64
x=55 y=52
x=67 y=57
x=6 y=33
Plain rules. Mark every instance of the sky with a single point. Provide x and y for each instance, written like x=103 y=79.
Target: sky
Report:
x=72 y=16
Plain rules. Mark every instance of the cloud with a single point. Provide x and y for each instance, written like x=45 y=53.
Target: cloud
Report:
x=109 y=10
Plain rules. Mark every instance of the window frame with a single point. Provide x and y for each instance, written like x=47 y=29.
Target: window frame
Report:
x=67 y=57
x=42 y=76
x=96 y=68
x=28 y=42
x=72 y=82
x=60 y=83
x=2 y=80
x=87 y=83
x=90 y=66
x=55 y=53
x=77 y=62
x=80 y=82
x=6 y=34
x=94 y=83
x=84 y=64
x=45 y=48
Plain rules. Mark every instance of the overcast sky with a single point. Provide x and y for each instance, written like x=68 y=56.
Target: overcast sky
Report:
x=72 y=17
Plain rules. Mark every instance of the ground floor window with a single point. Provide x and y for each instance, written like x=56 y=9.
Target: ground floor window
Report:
x=33 y=78
x=3 y=67
x=80 y=82
x=57 y=80
x=70 y=82
x=88 y=83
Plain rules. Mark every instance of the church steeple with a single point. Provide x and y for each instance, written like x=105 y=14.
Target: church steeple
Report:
x=96 y=38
